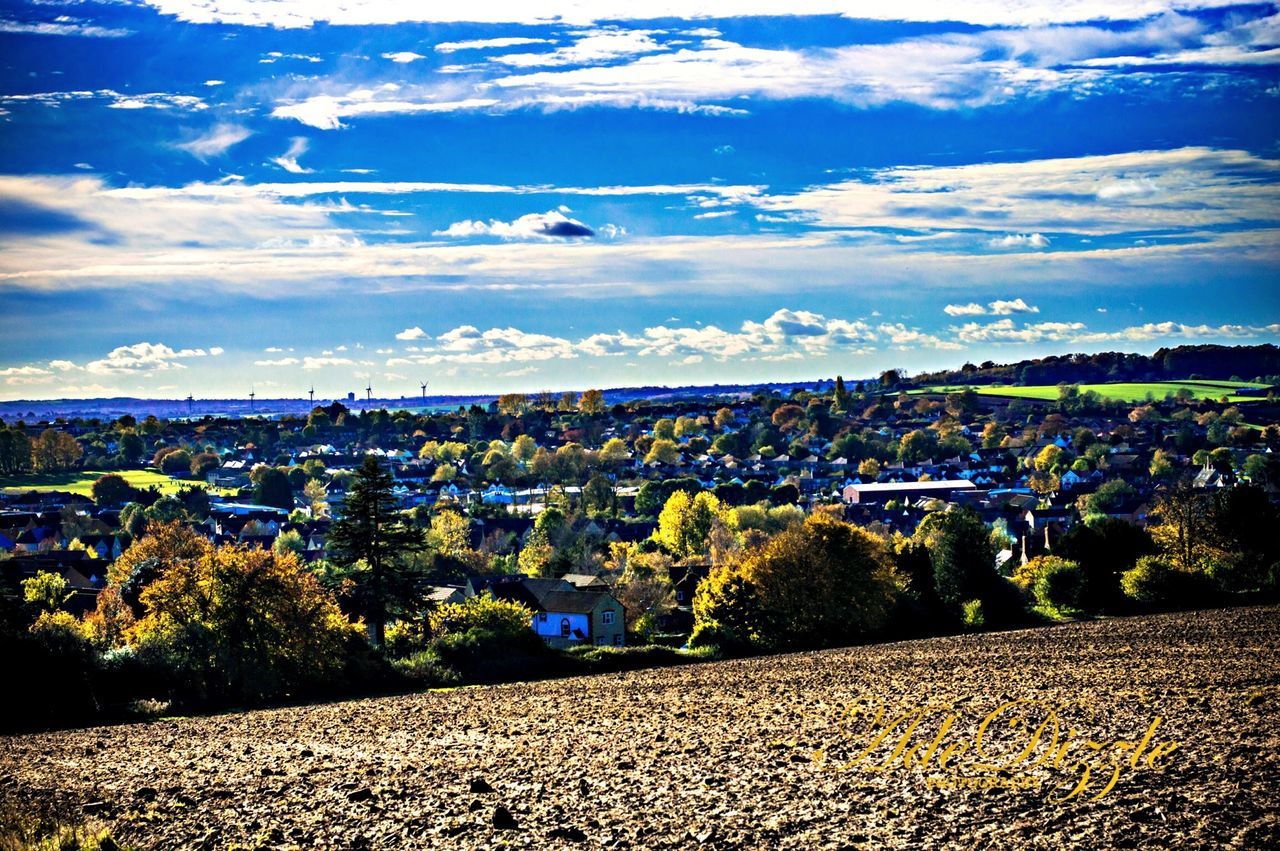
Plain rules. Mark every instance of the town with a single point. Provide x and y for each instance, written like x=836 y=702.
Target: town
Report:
x=446 y=544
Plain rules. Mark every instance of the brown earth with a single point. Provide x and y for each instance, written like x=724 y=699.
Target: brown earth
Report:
x=740 y=754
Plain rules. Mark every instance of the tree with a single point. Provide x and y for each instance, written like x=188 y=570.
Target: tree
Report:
x=273 y=489
x=522 y=448
x=963 y=556
x=15 y=451
x=55 y=450
x=513 y=404
x=176 y=461
x=663 y=452
x=290 y=541
x=243 y=623
x=685 y=523
x=1183 y=530
x=664 y=429
x=112 y=490
x=317 y=497
x=591 y=402
x=724 y=418
x=918 y=445
x=46 y=592
x=204 y=463
x=614 y=452
x=823 y=582
x=372 y=532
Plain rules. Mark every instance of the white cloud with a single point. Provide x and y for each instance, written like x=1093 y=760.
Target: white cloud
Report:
x=999 y=307
x=63 y=25
x=313 y=363
x=591 y=47
x=403 y=57
x=304 y=13
x=276 y=56
x=276 y=362
x=414 y=333
x=1020 y=240
x=552 y=224
x=114 y=100
x=289 y=159
x=143 y=358
x=489 y=44
x=1183 y=188
x=1017 y=305
x=216 y=141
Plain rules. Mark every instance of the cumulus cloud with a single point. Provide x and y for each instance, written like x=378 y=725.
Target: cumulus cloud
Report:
x=141 y=358
x=999 y=307
x=552 y=224
x=313 y=363
x=216 y=141
x=414 y=333
x=1020 y=240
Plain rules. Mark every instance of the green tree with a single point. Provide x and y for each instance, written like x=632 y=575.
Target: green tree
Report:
x=112 y=490
x=372 y=532
x=45 y=591
x=963 y=557
x=273 y=489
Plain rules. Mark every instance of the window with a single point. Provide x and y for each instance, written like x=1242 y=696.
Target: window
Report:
x=564 y=627
x=617 y=640
x=542 y=616
x=600 y=639
x=607 y=618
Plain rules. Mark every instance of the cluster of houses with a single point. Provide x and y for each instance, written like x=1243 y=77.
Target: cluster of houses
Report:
x=69 y=534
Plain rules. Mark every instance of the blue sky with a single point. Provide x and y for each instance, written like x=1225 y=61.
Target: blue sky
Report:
x=200 y=196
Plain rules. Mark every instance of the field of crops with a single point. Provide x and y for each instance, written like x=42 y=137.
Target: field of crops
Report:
x=81 y=481
x=1124 y=392
x=1181 y=711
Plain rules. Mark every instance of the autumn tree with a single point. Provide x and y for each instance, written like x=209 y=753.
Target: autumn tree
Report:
x=243 y=623
x=823 y=582
x=591 y=402
x=685 y=523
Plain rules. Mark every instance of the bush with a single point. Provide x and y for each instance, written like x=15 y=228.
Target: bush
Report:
x=1153 y=581
x=971 y=615
x=1059 y=587
x=424 y=669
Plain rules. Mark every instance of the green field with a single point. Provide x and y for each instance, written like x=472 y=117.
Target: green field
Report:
x=81 y=481
x=1124 y=392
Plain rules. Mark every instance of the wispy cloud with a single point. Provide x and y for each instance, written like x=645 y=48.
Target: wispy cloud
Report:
x=289 y=159
x=215 y=142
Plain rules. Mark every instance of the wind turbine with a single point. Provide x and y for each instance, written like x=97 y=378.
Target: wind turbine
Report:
x=424 y=393
x=368 y=393
x=190 y=401
x=252 y=394
x=312 y=394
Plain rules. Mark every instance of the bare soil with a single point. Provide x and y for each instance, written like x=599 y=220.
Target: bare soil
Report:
x=757 y=753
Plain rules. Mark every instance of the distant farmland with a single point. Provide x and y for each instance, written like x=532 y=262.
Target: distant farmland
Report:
x=1123 y=392
x=81 y=481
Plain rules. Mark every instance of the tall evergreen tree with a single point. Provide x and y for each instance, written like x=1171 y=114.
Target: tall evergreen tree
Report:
x=372 y=530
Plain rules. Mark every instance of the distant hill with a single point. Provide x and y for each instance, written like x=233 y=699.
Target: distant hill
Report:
x=110 y=408
x=1182 y=362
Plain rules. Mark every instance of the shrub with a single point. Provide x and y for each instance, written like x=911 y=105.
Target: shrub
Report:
x=1059 y=587
x=503 y=618
x=971 y=615
x=1155 y=582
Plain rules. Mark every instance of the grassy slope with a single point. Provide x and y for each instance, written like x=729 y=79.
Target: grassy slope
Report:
x=81 y=481
x=1126 y=392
